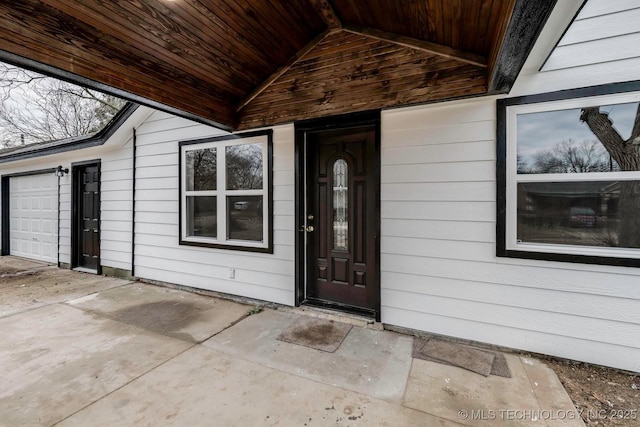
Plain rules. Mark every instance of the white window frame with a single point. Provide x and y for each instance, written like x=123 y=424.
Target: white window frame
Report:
x=513 y=178
x=221 y=193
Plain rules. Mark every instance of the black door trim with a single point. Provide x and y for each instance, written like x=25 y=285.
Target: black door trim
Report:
x=5 y=200
x=314 y=125
x=76 y=221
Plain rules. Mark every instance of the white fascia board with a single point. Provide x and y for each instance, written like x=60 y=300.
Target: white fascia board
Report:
x=124 y=132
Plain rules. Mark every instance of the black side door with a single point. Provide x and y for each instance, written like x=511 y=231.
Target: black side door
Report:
x=86 y=209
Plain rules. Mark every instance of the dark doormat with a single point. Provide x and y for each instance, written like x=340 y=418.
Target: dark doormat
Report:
x=319 y=334
x=483 y=362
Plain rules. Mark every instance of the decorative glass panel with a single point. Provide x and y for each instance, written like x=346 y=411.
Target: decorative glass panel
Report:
x=588 y=213
x=577 y=140
x=244 y=167
x=201 y=168
x=202 y=218
x=340 y=205
x=244 y=218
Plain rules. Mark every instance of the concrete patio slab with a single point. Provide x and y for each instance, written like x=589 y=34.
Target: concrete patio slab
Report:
x=111 y=357
x=203 y=387
x=170 y=312
x=376 y=363
x=30 y=284
x=468 y=398
x=56 y=360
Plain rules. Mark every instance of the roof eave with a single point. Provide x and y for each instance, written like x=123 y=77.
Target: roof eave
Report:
x=74 y=143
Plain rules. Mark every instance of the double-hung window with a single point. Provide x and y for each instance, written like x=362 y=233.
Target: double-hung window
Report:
x=225 y=197
x=569 y=176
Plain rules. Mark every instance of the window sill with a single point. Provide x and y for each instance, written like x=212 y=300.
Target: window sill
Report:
x=259 y=249
x=568 y=257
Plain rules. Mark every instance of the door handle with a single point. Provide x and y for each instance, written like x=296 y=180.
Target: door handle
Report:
x=308 y=228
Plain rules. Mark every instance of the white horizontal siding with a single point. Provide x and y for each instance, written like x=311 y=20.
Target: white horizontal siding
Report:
x=438 y=191
x=594 y=9
x=477 y=211
x=610 y=24
x=545 y=343
x=439 y=271
x=609 y=49
x=601 y=46
x=159 y=256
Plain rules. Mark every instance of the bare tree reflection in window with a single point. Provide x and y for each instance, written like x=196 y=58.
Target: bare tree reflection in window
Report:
x=626 y=153
x=244 y=167
x=201 y=168
x=340 y=205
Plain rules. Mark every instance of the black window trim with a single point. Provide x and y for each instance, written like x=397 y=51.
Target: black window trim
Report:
x=269 y=173
x=501 y=173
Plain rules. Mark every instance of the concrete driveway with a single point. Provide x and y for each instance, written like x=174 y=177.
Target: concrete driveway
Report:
x=80 y=350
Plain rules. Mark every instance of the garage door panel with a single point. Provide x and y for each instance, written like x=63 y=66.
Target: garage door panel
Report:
x=33 y=217
x=47 y=203
x=34 y=249
x=46 y=248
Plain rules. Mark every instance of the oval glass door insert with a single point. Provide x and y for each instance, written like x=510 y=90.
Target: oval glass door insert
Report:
x=340 y=205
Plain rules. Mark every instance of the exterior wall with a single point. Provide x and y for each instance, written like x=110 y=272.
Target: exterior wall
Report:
x=439 y=269
x=116 y=187
x=267 y=277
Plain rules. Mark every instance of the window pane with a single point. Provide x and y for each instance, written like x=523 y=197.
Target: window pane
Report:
x=202 y=218
x=340 y=205
x=244 y=218
x=578 y=140
x=201 y=169
x=602 y=213
x=244 y=167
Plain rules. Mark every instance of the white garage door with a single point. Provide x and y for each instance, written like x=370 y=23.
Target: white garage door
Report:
x=34 y=217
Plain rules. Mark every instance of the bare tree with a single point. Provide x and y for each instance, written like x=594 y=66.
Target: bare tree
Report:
x=36 y=108
x=570 y=156
x=244 y=166
x=12 y=78
x=626 y=153
x=522 y=166
x=202 y=165
x=547 y=162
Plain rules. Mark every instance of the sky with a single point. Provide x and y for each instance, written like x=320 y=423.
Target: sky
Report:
x=32 y=110
x=543 y=131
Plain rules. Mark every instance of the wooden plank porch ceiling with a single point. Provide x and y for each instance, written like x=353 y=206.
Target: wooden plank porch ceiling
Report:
x=242 y=64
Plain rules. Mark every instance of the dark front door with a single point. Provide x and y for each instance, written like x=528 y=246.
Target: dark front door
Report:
x=342 y=218
x=87 y=209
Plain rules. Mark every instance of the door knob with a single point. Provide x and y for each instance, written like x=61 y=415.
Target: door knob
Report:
x=309 y=228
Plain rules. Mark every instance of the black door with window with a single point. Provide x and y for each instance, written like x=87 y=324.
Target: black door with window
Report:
x=86 y=242
x=342 y=218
